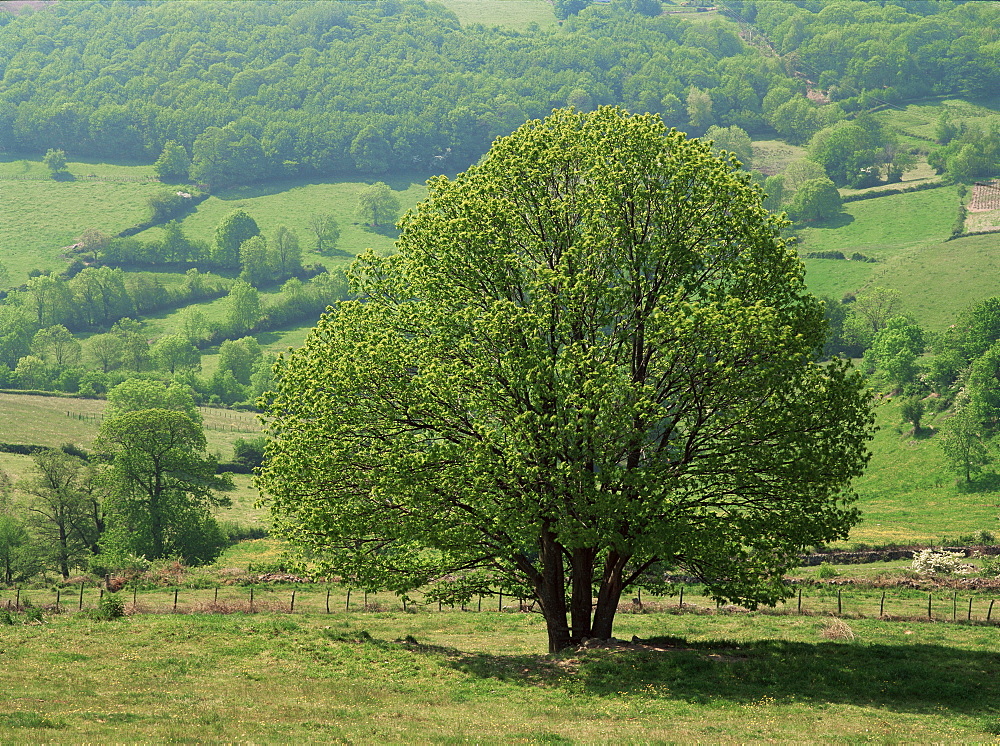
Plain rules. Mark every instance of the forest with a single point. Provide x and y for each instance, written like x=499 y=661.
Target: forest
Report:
x=256 y=91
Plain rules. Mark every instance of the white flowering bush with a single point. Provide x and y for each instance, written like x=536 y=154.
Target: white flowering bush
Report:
x=934 y=562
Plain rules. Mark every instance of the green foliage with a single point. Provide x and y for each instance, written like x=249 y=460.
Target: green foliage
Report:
x=161 y=485
x=111 y=607
x=511 y=381
x=816 y=199
x=912 y=410
x=377 y=204
x=137 y=394
x=827 y=571
x=173 y=163
x=230 y=234
x=732 y=140
x=963 y=443
x=55 y=161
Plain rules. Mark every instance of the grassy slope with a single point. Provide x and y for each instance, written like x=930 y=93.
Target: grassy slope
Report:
x=41 y=216
x=282 y=678
x=291 y=203
x=516 y=14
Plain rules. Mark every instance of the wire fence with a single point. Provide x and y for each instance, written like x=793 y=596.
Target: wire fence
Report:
x=318 y=598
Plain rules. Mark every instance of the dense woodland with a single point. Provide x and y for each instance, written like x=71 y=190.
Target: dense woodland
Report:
x=254 y=91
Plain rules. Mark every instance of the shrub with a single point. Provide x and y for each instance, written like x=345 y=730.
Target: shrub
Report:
x=934 y=562
x=826 y=570
x=990 y=567
x=111 y=606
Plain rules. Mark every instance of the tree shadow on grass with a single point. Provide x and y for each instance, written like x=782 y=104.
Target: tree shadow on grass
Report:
x=905 y=678
x=985 y=482
x=837 y=221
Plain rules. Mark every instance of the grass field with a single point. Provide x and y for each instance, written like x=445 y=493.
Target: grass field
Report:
x=292 y=203
x=896 y=230
x=517 y=14
x=908 y=493
x=41 y=216
x=478 y=677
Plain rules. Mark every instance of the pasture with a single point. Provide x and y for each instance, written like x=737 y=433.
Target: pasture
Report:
x=457 y=677
x=42 y=216
x=292 y=203
x=516 y=14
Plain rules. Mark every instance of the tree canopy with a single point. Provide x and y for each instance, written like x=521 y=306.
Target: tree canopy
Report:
x=591 y=361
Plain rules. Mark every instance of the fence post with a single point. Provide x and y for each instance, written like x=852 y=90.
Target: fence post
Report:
x=480 y=607
x=58 y=596
x=80 y=607
x=216 y=599
x=347 y=606
x=251 y=599
x=800 y=601
x=17 y=598
x=929 y=606
x=881 y=605
x=328 y=599
x=990 y=612
x=135 y=593
x=839 y=606
x=680 y=604
x=968 y=617
x=176 y=590
x=291 y=607
x=500 y=602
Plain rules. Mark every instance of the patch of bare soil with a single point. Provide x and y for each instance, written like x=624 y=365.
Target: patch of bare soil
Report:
x=16 y=6
x=985 y=196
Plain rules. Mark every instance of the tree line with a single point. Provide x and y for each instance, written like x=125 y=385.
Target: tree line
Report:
x=221 y=93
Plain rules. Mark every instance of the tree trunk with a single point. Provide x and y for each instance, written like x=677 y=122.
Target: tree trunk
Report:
x=609 y=595
x=63 y=552
x=550 y=590
x=581 y=605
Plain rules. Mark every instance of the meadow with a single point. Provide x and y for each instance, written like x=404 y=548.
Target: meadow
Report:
x=42 y=216
x=291 y=203
x=457 y=677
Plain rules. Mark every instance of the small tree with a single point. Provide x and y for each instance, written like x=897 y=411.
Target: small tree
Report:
x=55 y=161
x=817 y=199
x=173 y=164
x=963 y=443
x=162 y=484
x=912 y=411
x=60 y=507
x=377 y=204
x=231 y=232
x=243 y=307
x=327 y=231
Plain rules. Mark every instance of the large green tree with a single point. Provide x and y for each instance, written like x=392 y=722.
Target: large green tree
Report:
x=592 y=360
x=162 y=484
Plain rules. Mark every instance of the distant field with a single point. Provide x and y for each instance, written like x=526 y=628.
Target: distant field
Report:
x=41 y=216
x=909 y=494
x=54 y=421
x=508 y=13
x=945 y=278
x=893 y=229
x=774 y=156
x=292 y=203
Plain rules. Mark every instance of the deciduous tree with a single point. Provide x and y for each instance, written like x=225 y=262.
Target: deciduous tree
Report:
x=162 y=484
x=591 y=360
x=377 y=204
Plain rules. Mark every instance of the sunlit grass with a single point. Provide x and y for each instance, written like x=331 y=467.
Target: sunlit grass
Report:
x=480 y=677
